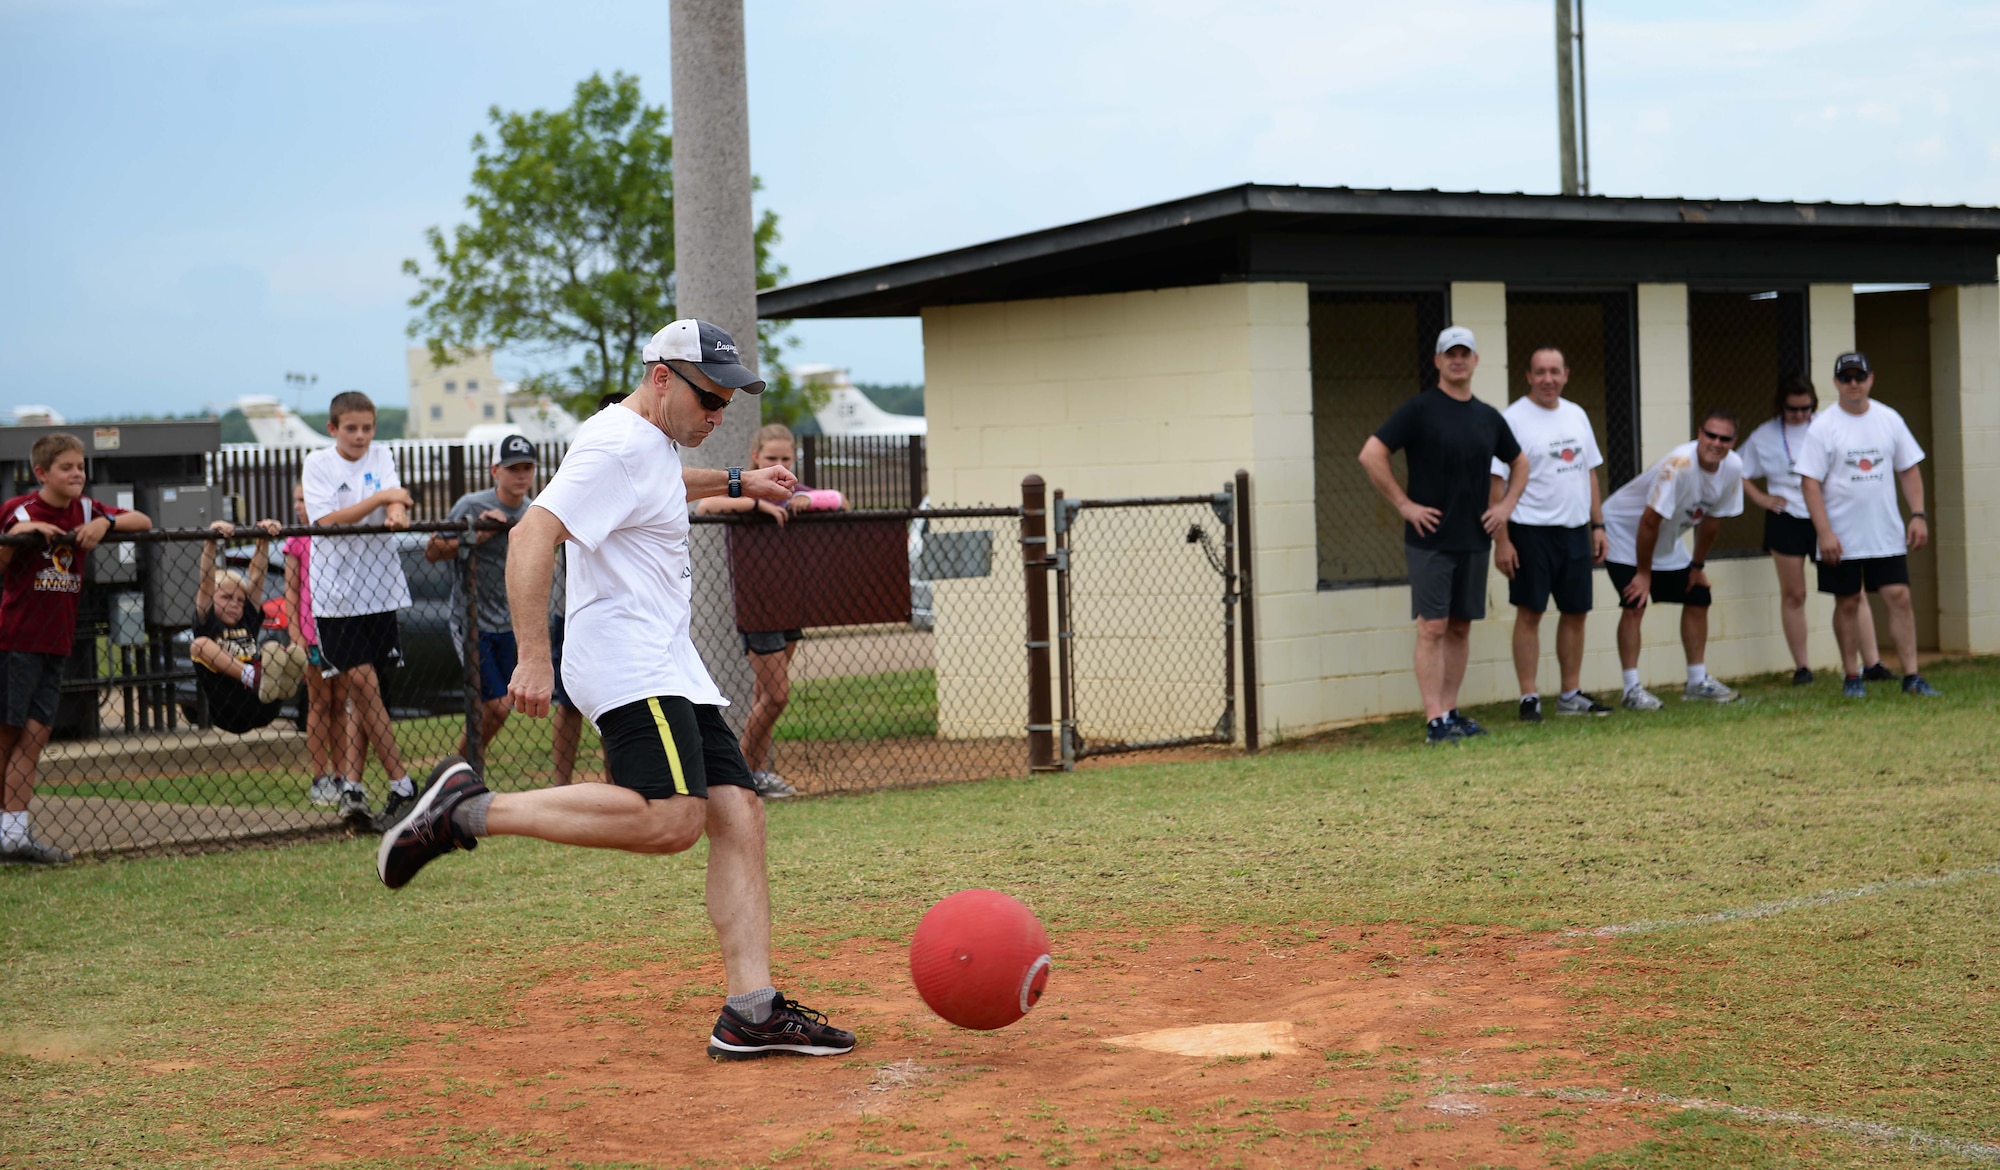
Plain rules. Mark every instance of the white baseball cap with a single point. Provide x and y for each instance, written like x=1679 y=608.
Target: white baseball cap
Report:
x=1457 y=335
x=708 y=347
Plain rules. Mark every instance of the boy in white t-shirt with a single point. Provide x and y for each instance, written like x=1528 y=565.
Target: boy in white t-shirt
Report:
x=358 y=586
x=620 y=501
x=1697 y=486
x=1855 y=455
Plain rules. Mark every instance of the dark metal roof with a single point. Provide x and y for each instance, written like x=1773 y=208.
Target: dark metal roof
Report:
x=1341 y=237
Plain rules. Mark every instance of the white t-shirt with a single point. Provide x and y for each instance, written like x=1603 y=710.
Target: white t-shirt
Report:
x=1771 y=454
x=353 y=575
x=1682 y=494
x=1854 y=457
x=630 y=580
x=1561 y=451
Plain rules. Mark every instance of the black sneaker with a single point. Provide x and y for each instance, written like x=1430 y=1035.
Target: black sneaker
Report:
x=34 y=852
x=394 y=811
x=792 y=1027
x=427 y=831
x=1802 y=677
x=354 y=808
x=1915 y=684
x=1441 y=731
x=1531 y=709
x=1879 y=672
x=1466 y=727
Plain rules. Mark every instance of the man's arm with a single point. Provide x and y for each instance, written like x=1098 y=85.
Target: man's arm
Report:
x=531 y=562
x=391 y=498
x=761 y=483
x=204 y=587
x=1375 y=460
x=1495 y=519
x=1648 y=539
x=1704 y=539
x=1600 y=541
x=1913 y=490
x=1506 y=557
x=1829 y=544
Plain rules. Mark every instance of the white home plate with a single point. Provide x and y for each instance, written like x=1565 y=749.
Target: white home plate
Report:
x=1274 y=1037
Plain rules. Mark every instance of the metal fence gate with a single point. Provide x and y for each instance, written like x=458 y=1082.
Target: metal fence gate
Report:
x=1147 y=621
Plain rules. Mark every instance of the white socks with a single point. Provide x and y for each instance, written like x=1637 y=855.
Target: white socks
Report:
x=1572 y=694
x=249 y=676
x=1631 y=679
x=404 y=787
x=13 y=828
x=1531 y=695
x=1697 y=673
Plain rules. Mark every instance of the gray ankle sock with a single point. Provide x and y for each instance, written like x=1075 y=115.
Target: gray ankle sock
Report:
x=470 y=814
x=754 y=1006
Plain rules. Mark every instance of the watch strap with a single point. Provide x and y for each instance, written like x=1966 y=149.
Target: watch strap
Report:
x=735 y=483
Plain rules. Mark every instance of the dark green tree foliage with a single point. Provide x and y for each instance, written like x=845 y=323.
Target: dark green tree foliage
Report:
x=569 y=251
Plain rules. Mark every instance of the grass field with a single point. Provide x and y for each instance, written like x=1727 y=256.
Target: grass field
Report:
x=219 y=1009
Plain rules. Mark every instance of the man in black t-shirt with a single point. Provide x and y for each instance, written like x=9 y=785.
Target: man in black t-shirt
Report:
x=1451 y=440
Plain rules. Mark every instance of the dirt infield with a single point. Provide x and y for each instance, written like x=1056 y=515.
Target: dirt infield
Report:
x=1345 y=1046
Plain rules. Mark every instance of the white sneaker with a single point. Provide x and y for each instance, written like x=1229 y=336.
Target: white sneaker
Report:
x=1641 y=699
x=1709 y=690
x=325 y=791
x=771 y=786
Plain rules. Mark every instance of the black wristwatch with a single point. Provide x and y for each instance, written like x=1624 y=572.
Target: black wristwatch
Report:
x=1597 y=528
x=736 y=483
x=1924 y=516
x=1697 y=564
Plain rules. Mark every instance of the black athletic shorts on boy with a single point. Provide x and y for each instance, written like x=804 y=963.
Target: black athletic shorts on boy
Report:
x=1848 y=577
x=668 y=746
x=1670 y=586
x=1789 y=536
x=768 y=641
x=1555 y=562
x=232 y=707
x=369 y=639
x=30 y=684
x=1447 y=584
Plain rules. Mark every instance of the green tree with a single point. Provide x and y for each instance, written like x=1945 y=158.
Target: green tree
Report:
x=568 y=253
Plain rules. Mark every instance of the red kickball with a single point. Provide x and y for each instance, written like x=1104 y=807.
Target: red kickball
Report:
x=980 y=959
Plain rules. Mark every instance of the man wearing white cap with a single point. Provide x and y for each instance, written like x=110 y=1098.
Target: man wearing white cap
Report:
x=620 y=500
x=1449 y=521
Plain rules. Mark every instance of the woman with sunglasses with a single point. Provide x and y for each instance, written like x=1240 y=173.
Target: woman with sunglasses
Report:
x=1771 y=454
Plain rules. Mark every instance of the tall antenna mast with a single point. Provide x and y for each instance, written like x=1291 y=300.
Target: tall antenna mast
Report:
x=1572 y=97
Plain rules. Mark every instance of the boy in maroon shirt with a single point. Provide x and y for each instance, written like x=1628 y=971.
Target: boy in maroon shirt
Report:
x=39 y=589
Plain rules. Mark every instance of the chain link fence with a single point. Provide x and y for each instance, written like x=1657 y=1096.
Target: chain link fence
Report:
x=1740 y=343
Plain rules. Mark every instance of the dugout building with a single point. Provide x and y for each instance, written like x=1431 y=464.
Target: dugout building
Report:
x=1273 y=328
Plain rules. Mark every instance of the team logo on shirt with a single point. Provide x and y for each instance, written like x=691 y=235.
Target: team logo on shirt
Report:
x=1868 y=462
x=1566 y=451
x=60 y=576
x=1568 y=454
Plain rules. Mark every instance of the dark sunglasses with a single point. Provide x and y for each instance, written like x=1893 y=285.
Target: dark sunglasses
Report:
x=1850 y=376
x=1806 y=409
x=1712 y=437
x=708 y=401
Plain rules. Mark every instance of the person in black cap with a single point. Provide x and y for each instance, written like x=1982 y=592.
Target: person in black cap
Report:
x=620 y=502
x=503 y=503
x=1855 y=455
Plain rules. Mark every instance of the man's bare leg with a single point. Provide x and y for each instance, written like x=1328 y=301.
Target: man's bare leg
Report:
x=1527 y=648
x=1792 y=605
x=1430 y=666
x=598 y=816
x=739 y=888
x=1694 y=634
x=1631 y=630
x=1569 y=650
x=1457 y=651
x=1902 y=625
x=1847 y=633
x=13 y=797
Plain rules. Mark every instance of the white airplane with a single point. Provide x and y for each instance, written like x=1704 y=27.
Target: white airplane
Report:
x=850 y=412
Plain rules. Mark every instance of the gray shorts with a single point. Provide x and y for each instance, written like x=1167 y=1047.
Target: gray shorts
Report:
x=30 y=684
x=1447 y=584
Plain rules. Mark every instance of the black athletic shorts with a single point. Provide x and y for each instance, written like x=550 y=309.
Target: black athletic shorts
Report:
x=30 y=686
x=670 y=747
x=1670 y=586
x=1554 y=562
x=1447 y=584
x=370 y=639
x=769 y=641
x=1787 y=535
x=1847 y=577
x=232 y=707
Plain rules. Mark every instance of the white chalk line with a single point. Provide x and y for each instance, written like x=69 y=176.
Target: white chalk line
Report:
x=1804 y=902
x=1871 y=1130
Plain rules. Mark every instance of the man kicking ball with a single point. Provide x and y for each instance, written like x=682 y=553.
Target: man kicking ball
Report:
x=620 y=499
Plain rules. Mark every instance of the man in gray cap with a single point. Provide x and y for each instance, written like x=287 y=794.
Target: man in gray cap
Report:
x=620 y=500
x=1449 y=519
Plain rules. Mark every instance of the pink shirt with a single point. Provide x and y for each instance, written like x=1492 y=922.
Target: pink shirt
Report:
x=298 y=558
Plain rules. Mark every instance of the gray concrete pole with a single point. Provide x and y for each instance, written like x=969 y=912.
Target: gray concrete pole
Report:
x=1565 y=96
x=715 y=278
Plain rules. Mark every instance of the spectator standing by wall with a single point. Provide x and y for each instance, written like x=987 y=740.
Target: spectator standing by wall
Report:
x=1771 y=454
x=1696 y=486
x=1449 y=518
x=326 y=724
x=357 y=589
x=39 y=590
x=244 y=680
x=1855 y=456
x=1555 y=535
x=513 y=474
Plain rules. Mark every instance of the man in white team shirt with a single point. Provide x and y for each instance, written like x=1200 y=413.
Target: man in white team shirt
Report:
x=620 y=499
x=1846 y=473
x=1697 y=486
x=1546 y=550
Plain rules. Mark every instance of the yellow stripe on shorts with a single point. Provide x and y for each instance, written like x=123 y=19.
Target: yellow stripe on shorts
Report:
x=667 y=742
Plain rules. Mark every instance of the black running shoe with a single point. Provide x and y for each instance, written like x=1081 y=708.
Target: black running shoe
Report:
x=1802 y=677
x=1441 y=731
x=1879 y=672
x=1466 y=727
x=1531 y=709
x=395 y=810
x=792 y=1027
x=427 y=831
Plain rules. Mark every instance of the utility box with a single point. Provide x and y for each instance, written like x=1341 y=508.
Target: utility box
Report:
x=174 y=568
x=114 y=563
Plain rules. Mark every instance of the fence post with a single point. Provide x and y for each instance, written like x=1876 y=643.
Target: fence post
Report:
x=475 y=750
x=913 y=454
x=1247 y=612
x=1034 y=565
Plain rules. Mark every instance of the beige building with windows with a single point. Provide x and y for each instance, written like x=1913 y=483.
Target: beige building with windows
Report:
x=447 y=401
x=1273 y=328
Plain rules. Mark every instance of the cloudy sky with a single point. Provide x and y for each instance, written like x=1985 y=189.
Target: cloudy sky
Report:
x=201 y=196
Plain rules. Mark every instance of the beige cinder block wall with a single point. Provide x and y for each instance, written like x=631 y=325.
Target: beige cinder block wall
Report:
x=1965 y=517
